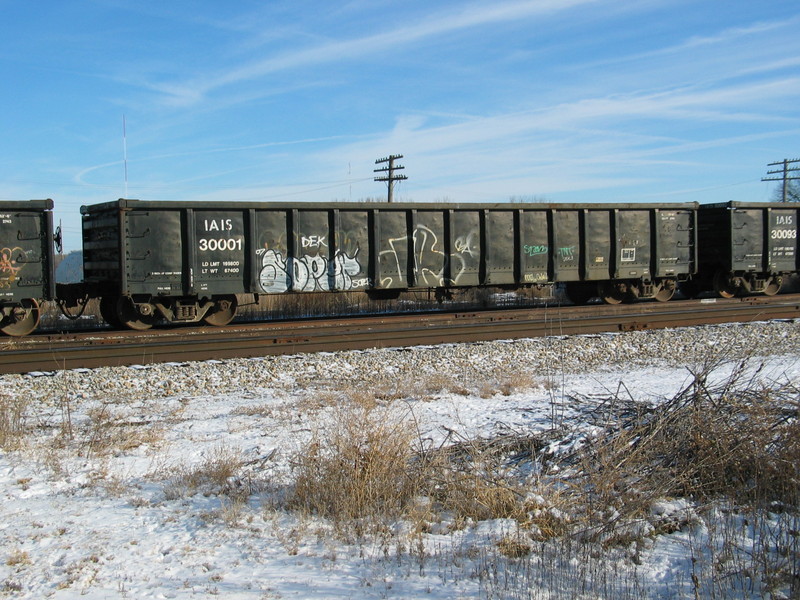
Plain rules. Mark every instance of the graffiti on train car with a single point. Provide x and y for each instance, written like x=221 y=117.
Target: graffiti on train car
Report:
x=308 y=273
x=535 y=250
x=567 y=253
x=468 y=244
x=8 y=266
x=311 y=273
x=430 y=259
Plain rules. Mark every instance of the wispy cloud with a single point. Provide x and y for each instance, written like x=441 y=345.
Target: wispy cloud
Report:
x=192 y=90
x=725 y=38
x=587 y=143
x=583 y=143
x=81 y=176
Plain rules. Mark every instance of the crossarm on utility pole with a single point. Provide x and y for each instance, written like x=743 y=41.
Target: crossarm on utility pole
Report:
x=390 y=178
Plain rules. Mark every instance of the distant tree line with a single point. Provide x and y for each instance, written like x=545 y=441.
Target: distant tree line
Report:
x=69 y=267
x=792 y=192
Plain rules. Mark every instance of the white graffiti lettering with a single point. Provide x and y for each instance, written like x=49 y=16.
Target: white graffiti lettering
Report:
x=309 y=273
x=274 y=277
x=430 y=261
x=464 y=244
x=313 y=241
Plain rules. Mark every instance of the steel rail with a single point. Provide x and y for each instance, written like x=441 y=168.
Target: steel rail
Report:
x=49 y=352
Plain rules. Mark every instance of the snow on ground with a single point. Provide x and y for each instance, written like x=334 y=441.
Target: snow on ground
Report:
x=98 y=500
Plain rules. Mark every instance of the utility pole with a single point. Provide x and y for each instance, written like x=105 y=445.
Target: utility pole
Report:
x=390 y=178
x=784 y=171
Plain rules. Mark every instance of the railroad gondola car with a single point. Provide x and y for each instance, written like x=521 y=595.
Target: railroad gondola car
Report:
x=746 y=247
x=191 y=261
x=26 y=263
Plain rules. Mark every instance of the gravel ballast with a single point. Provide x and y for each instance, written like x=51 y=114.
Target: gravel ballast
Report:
x=541 y=357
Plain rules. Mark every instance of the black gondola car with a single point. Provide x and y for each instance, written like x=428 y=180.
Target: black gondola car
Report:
x=188 y=261
x=747 y=247
x=26 y=263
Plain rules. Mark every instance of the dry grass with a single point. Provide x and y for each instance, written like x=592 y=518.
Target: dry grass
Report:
x=220 y=473
x=732 y=444
x=360 y=466
x=12 y=420
x=110 y=430
x=478 y=479
x=370 y=463
x=514 y=547
x=17 y=558
x=368 y=460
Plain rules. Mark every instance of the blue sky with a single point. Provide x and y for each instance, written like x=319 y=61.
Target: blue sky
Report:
x=561 y=100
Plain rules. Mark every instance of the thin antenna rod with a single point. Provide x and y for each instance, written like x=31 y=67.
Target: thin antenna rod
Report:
x=125 y=153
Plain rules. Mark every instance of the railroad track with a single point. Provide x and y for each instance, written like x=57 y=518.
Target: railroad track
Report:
x=50 y=352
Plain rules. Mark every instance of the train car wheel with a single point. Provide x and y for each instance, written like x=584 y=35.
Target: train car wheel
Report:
x=611 y=294
x=723 y=285
x=666 y=291
x=223 y=312
x=773 y=285
x=24 y=318
x=135 y=316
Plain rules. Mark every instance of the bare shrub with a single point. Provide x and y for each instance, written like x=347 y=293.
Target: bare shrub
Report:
x=732 y=444
x=359 y=466
x=736 y=439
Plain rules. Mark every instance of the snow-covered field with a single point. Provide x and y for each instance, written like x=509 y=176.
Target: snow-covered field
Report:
x=113 y=484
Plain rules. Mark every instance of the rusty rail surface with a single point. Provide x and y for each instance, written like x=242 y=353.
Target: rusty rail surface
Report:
x=48 y=352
